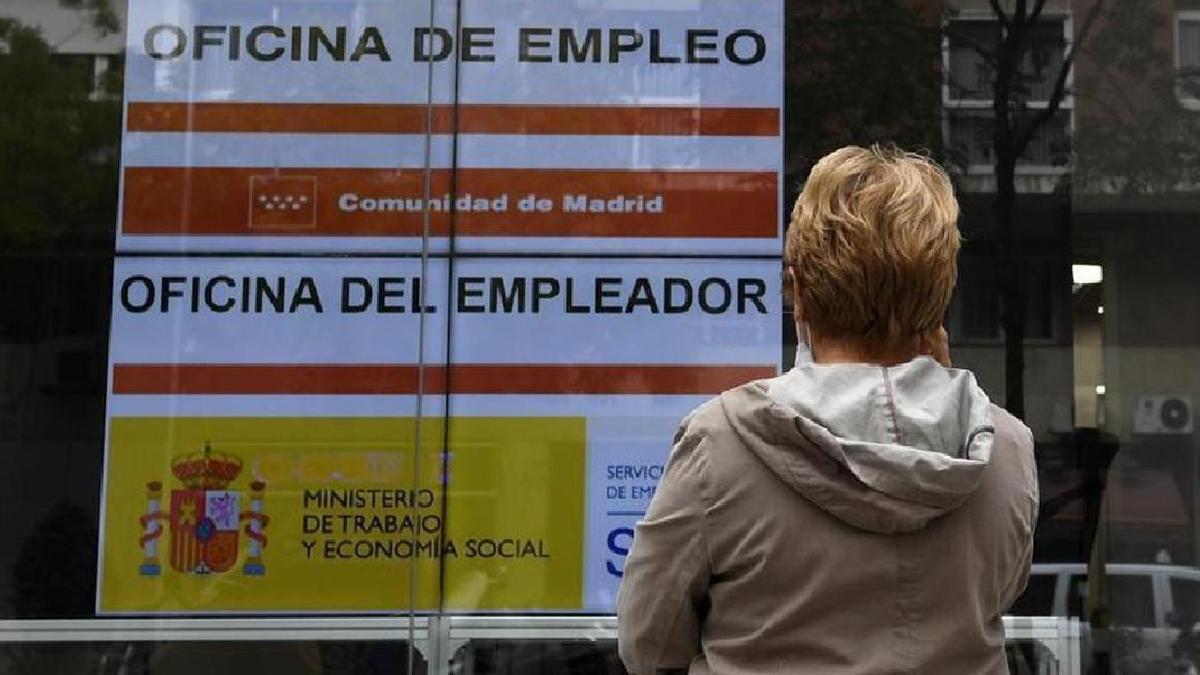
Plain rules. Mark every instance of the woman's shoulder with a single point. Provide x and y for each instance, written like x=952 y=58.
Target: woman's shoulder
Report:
x=1010 y=428
x=722 y=413
x=1013 y=450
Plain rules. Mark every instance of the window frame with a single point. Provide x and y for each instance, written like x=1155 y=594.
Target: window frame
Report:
x=1182 y=15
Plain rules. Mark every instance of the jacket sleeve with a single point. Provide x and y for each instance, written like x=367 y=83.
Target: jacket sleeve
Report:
x=1020 y=580
x=665 y=583
x=1025 y=560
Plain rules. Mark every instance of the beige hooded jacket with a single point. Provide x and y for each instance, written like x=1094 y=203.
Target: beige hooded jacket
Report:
x=841 y=518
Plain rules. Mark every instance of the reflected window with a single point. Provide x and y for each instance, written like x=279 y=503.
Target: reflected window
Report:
x=1185 y=593
x=1130 y=599
x=1187 y=56
x=1038 y=598
x=974 y=45
x=1077 y=592
x=969 y=137
x=971 y=45
x=975 y=309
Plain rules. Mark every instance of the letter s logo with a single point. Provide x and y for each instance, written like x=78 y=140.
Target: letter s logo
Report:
x=616 y=538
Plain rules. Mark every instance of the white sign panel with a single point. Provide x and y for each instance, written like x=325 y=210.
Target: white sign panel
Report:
x=561 y=382
x=537 y=127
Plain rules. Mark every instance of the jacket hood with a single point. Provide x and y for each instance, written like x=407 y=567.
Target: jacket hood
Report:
x=884 y=449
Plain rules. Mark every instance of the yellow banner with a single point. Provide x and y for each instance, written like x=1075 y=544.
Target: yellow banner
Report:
x=245 y=514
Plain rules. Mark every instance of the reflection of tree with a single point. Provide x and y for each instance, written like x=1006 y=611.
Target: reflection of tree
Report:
x=1092 y=453
x=58 y=144
x=1135 y=137
x=55 y=573
x=858 y=72
x=54 y=577
x=1015 y=80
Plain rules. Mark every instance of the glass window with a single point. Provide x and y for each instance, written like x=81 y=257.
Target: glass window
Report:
x=971 y=46
x=1038 y=598
x=1128 y=599
x=1188 y=50
x=1077 y=593
x=368 y=323
x=975 y=314
x=970 y=137
x=1132 y=600
x=231 y=657
x=974 y=47
x=1185 y=594
x=507 y=657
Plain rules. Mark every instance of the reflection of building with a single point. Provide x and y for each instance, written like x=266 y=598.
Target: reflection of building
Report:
x=1107 y=182
x=53 y=323
x=73 y=36
x=970 y=44
x=971 y=56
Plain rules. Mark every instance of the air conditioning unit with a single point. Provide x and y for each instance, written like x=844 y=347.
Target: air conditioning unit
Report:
x=1163 y=415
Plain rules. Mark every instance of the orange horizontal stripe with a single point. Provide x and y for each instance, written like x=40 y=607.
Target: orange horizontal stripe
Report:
x=330 y=379
x=379 y=118
x=217 y=201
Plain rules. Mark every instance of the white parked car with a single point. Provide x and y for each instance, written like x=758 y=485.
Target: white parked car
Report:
x=1147 y=604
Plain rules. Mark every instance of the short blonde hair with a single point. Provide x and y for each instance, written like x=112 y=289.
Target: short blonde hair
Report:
x=873 y=244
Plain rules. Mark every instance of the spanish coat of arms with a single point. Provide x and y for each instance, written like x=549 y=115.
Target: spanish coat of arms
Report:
x=204 y=518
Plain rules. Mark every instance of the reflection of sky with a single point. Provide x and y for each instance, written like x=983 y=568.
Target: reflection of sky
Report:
x=216 y=78
x=633 y=81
